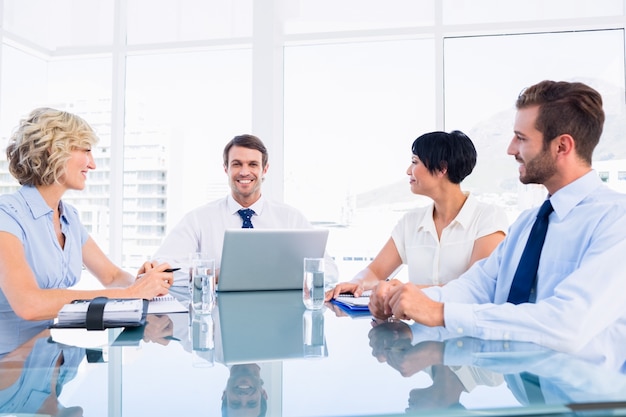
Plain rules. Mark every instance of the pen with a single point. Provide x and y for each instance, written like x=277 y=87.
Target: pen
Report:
x=165 y=270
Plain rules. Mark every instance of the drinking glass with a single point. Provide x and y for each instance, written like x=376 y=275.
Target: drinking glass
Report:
x=313 y=283
x=202 y=284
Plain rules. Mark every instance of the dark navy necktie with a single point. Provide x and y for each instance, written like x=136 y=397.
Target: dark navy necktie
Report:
x=246 y=215
x=526 y=272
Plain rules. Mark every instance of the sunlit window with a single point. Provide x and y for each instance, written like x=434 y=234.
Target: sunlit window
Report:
x=166 y=84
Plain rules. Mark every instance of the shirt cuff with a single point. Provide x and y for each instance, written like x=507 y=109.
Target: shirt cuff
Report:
x=460 y=319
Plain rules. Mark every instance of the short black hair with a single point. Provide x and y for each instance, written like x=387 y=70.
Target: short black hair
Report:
x=452 y=151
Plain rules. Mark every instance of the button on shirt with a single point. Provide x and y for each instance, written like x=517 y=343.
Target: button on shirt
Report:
x=580 y=280
x=26 y=215
x=434 y=261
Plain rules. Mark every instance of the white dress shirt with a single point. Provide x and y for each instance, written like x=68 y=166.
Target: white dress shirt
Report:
x=202 y=230
x=581 y=281
x=432 y=261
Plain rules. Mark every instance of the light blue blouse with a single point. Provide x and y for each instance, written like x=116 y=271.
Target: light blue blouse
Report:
x=26 y=215
x=581 y=280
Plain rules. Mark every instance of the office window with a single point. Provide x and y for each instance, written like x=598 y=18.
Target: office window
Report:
x=315 y=16
x=487 y=11
x=485 y=74
x=361 y=81
x=191 y=104
x=352 y=112
x=187 y=20
x=52 y=26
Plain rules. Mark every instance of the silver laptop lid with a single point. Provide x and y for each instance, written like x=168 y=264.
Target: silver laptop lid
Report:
x=267 y=259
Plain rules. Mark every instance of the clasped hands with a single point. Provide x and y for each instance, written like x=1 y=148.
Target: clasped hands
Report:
x=405 y=301
x=396 y=299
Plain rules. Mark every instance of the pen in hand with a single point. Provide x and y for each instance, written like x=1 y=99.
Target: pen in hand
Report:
x=165 y=270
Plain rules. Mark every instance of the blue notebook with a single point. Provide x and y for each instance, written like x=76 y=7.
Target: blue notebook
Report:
x=351 y=303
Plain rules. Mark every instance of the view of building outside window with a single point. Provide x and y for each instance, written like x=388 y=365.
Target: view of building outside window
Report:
x=358 y=89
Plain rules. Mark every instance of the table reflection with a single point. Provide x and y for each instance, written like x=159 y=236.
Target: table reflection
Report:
x=33 y=375
x=244 y=395
x=265 y=354
x=391 y=342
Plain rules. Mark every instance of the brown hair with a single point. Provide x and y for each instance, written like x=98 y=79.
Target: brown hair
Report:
x=250 y=142
x=566 y=108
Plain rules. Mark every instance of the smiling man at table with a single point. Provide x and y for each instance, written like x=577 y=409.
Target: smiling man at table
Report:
x=576 y=298
x=202 y=229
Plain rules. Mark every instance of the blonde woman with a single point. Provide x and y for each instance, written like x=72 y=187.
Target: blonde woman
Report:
x=43 y=245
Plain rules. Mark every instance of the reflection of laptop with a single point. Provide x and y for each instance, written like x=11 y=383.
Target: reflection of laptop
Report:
x=267 y=259
x=259 y=326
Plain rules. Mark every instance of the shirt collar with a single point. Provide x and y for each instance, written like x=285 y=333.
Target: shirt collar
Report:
x=464 y=217
x=37 y=205
x=234 y=207
x=568 y=197
x=427 y=222
x=34 y=201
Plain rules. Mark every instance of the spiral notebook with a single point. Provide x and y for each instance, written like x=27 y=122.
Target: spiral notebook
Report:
x=166 y=304
x=351 y=303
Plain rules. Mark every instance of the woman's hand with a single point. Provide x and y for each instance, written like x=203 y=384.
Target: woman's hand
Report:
x=355 y=288
x=152 y=281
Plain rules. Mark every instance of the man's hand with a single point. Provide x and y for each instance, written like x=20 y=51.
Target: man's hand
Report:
x=379 y=299
x=410 y=303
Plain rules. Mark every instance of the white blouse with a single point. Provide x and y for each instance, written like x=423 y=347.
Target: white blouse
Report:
x=432 y=261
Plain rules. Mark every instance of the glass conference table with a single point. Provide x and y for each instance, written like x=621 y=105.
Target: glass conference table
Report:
x=264 y=350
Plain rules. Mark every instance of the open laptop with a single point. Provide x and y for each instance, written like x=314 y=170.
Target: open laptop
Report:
x=267 y=259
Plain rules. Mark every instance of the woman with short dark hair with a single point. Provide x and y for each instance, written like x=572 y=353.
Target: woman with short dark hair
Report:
x=442 y=240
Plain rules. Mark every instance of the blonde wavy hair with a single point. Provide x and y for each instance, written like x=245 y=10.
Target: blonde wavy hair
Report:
x=40 y=146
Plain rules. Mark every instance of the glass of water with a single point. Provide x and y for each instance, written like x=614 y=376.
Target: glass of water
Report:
x=313 y=283
x=202 y=284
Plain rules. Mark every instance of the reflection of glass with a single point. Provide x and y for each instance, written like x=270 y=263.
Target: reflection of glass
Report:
x=313 y=334
x=244 y=394
x=203 y=340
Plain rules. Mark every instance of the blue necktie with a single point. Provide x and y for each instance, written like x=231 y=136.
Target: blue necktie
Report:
x=246 y=215
x=526 y=272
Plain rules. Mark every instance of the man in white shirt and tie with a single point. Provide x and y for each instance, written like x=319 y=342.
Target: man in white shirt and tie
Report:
x=202 y=229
